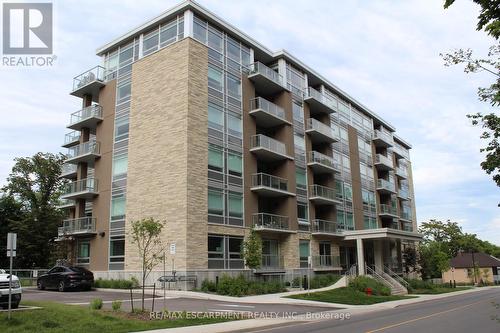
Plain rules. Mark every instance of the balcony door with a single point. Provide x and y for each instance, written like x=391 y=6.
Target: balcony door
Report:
x=325 y=254
x=270 y=253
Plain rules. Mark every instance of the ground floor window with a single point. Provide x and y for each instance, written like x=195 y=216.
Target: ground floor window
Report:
x=83 y=252
x=116 y=252
x=304 y=253
x=224 y=252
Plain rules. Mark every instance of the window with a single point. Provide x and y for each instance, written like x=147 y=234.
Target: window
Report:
x=117 y=249
x=235 y=203
x=343 y=134
x=370 y=222
x=124 y=91
x=216 y=252
x=200 y=30
x=118 y=207
x=302 y=211
x=233 y=50
x=299 y=141
x=300 y=177
x=215 y=158
x=168 y=33
x=234 y=163
x=298 y=114
x=349 y=221
x=126 y=56
x=215 y=78
x=215 y=39
x=112 y=62
x=304 y=253
x=347 y=192
x=150 y=42
x=339 y=189
x=235 y=259
x=120 y=165
x=215 y=202
x=234 y=125
x=233 y=86
x=215 y=117
x=224 y=252
x=121 y=128
x=83 y=252
x=346 y=163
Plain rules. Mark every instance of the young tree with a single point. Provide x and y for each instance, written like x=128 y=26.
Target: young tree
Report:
x=146 y=235
x=252 y=250
x=411 y=259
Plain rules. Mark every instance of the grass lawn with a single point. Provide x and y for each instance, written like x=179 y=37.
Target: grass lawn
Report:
x=55 y=317
x=438 y=290
x=346 y=295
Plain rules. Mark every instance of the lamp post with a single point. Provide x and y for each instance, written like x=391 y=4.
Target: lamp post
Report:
x=474 y=267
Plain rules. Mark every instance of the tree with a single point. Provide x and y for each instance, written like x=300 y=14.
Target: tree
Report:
x=411 y=259
x=489 y=20
x=252 y=250
x=35 y=186
x=10 y=210
x=146 y=235
x=432 y=260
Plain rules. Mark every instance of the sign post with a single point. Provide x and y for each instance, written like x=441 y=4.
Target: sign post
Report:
x=11 y=253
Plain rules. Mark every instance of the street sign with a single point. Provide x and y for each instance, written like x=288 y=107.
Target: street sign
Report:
x=172 y=248
x=11 y=244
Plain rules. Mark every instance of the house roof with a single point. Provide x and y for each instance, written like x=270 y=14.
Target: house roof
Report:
x=464 y=260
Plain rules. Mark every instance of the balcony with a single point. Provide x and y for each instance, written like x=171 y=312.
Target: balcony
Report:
x=382 y=139
x=403 y=193
x=321 y=133
x=383 y=162
x=266 y=80
x=387 y=211
x=272 y=263
x=321 y=163
x=326 y=263
x=83 y=226
x=86 y=152
x=384 y=186
x=271 y=222
x=323 y=227
x=401 y=172
x=89 y=83
x=319 y=103
x=406 y=216
x=81 y=189
x=268 y=149
x=65 y=204
x=87 y=117
x=269 y=185
x=71 y=139
x=322 y=195
x=267 y=114
x=68 y=171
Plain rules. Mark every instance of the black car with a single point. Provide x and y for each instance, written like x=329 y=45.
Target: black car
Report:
x=66 y=277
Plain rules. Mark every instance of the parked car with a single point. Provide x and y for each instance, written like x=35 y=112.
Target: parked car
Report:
x=4 y=290
x=63 y=278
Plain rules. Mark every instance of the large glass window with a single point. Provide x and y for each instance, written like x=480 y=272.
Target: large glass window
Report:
x=302 y=211
x=150 y=42
x=300 y=178
x=235 y=203
x=124 y=91
x=83 y=252
x=120 y=165
x=215 y=39
x=298 y=113
x=168 y=33
x=234 y=125
x=233 y=86
x=233 y=50
x=347 y=192
x=224 y=252
x=215 y=252
x=215 y=79
x=304 y=253
x=121 y=128
x=118 y=207
x=117 y=249
x=349 y=221
x=215 y=202
x=215 y=158
x=215 y=117
x=200 y=30
x=234 y=163
x=299 y=141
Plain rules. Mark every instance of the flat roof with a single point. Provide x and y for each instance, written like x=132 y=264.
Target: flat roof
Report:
x=258 y=49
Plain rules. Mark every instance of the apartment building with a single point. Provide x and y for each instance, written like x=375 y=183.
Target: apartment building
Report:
x=190 y=121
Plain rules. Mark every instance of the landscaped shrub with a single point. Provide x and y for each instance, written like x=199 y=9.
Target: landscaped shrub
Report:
x=421 y=284
x=96 y=304
x=240 y=286
x=116 y=305
x=361 y=283
x=324 y=280
x=116 y=284
x=208 y=286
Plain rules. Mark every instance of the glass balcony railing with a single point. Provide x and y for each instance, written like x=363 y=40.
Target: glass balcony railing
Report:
x=315 y=125
x=327 y=161
x=68 y=169
x=406 y=216
x=86 y=148
x=71 y=138
x=383 y=136
x=271 y=261
x=268 y=73
x=260 y=103
x=329 y=104
x=325 y=261
x=88 y=77
x=65 y=203
x=318 y=191
x=325 y=227
x=93 y=111
x=383 y=184
x=270 y=221
x=83 y=225
x=83 y=185
x=262 y=141
x=403 y=192
x=401 y=172
x=386 y=161
x=269 y=181
x=388 y=209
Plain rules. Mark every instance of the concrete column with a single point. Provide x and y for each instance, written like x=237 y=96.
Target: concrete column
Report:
x=378 y=253
x=361 y=256
x=188 y=23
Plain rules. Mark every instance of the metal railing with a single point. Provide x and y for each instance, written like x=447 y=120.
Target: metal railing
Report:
x=271 y=261
x=316 y=157
x=322 y=192
x=396 y=277
x=263 y=141
x=65 y=202
x=388 y=209
x=93 y=74
x=313 y=124
x=385 y=184
x=406 y=215
x=401 y=172
x=404 y=192
x=324 y=226
x=260 y=68
x=68 y=169
x=270 y=221
x=379 y=158
x=351 y=274
x=71 y=137
x=268 y=107
x=266 y=180
x=325 y=261
x=83 y=185
x=378 y=276
x=383 y=136
x=311 y=92
x=76 y=226
x=91 y=111
x=89 y=147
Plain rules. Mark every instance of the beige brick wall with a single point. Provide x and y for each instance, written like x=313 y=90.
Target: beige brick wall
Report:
x=168 y=152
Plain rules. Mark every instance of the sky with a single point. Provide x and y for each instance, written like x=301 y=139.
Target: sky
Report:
x=384 y=53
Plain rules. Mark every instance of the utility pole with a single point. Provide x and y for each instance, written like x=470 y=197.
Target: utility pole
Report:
x=11 y=253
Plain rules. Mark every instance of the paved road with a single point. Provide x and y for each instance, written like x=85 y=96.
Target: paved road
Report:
x=171 y=303
x=455 y=314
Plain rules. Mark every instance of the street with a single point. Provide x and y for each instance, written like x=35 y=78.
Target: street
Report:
x=461 y=313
